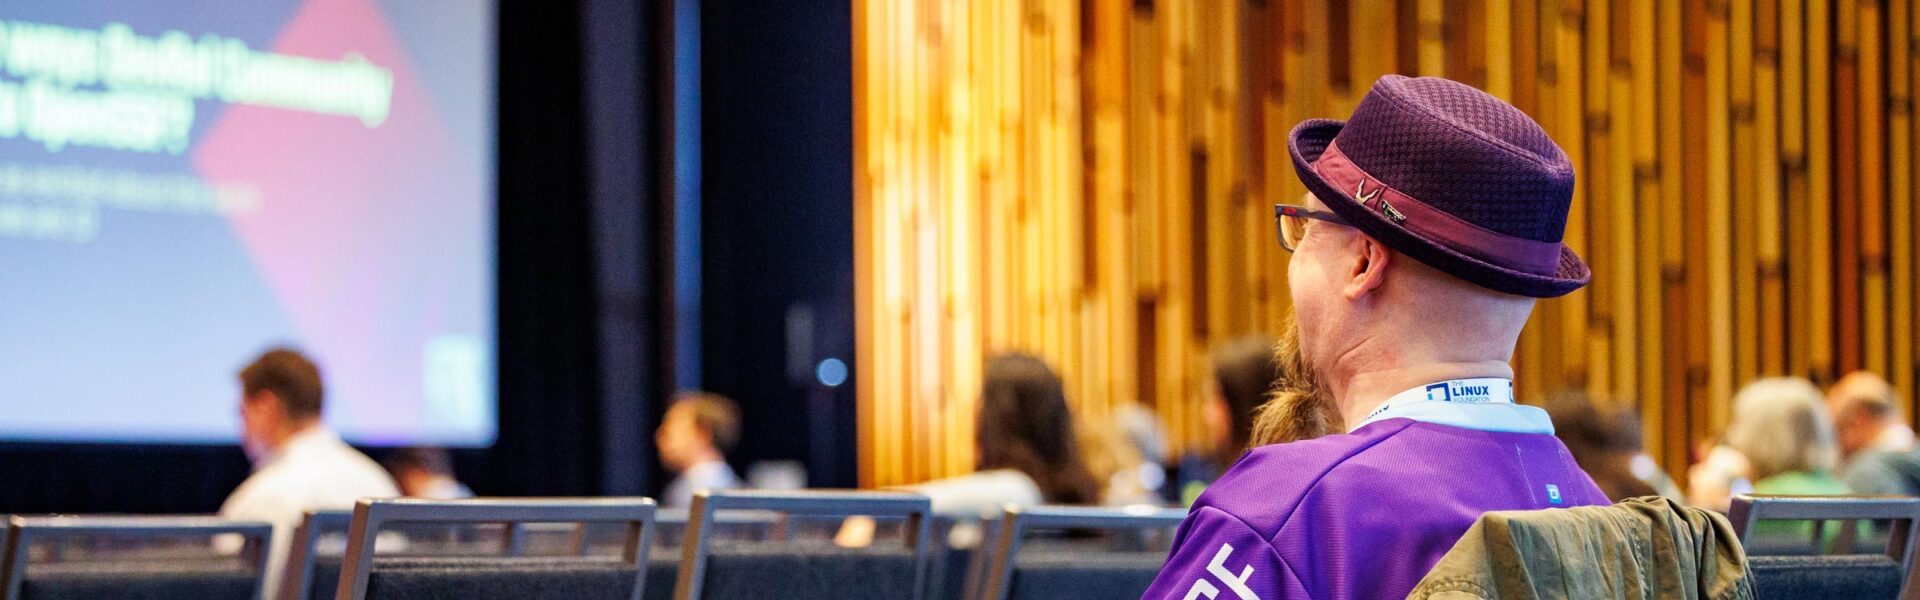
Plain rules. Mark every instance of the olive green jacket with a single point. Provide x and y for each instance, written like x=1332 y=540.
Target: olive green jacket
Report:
x=1640 y=548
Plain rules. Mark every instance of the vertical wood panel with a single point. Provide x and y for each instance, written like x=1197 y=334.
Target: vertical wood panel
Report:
x=1818 y=209
x=1091 y=180
x=1745 y=155
x=1901 y=68
x=1873 y=188
x=1771 y=338
x=1718 y=215
x=1668 y=407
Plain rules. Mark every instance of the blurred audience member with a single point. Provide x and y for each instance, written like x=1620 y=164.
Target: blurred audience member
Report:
x=1113 y=460
x=1144 y=476
x=1025 y=443
x=426 y=473
x=1781 y=427
x=1607 y=445
x=696 y=434
x=1144 y=430
x=1720 y=473
x=298 y=463
x=1866 y=416
x=1877 y=454
x=1243 y=379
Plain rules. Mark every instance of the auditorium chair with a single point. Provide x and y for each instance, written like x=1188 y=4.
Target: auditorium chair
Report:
x=1887 y=574
x=670 y=529
x=1072 y=563
x=312 y=572
x=505 y=572
x=719 y=570
x=48 y=558
x=949 y=558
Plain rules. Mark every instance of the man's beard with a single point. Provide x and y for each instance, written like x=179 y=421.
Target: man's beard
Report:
x=1300 y=407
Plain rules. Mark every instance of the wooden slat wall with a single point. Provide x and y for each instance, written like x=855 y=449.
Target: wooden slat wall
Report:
x=1091 y=180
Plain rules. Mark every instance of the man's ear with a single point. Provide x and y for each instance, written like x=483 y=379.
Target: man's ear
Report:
x=1369 y=268
x=265 y=402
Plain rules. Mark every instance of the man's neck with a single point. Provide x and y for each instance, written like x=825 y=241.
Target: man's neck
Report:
x=294 y=430
x=1364 y=389
x=705 y=457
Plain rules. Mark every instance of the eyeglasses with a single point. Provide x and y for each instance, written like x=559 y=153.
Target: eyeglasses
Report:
x=1291 y=221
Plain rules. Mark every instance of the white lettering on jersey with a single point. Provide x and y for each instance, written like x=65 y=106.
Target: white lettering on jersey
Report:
x=1203 y=587
x=1218 y=568
x=1238 y=584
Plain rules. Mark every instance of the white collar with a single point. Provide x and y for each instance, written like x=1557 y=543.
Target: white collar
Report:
x=1894 y=438
x=1484 y=404
x=306 y=441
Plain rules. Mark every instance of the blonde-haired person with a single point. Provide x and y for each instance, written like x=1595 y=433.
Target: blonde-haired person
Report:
x=1781 y=441
x=695 y=435
x=1781 y=426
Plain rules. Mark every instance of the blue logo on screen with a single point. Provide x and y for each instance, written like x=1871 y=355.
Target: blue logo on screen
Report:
x=1553 y=494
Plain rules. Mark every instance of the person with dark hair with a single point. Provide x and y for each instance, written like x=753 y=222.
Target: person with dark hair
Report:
x=696 y=434
x=1244 y=378
x=1607 y=445
x=299 y=464
x=424 y=472
x=1026 y=446
x=1432 y=226
x=1024 y=425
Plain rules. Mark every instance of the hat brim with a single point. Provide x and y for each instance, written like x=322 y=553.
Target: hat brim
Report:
x=1310 y=138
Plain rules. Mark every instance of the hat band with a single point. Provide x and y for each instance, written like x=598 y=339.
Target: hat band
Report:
x=1421 y=219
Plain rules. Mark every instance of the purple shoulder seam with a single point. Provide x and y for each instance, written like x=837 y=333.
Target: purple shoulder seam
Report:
x=1328 y=466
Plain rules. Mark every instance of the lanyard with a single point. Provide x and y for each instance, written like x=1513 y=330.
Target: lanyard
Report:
x=1480 y=390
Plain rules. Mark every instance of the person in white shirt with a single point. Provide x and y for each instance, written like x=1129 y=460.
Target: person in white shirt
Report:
x=298 y=463
x=1866 y=413
x=694 y=438
x=1877 y=453
x=426 y=473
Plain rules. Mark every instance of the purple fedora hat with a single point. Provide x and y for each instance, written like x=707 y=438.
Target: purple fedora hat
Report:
x=1452 y=177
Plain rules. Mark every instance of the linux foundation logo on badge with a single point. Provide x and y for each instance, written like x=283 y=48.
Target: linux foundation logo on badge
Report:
x=1455 y=391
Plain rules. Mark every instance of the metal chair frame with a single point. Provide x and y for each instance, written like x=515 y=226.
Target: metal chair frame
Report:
x=370 y=515
x=1018 y=521
x=814 y=503
x=23 y=531
x=297 y=578
x=1748 y=510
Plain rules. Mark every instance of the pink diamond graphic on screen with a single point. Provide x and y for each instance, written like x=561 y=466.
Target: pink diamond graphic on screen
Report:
x=367 y=235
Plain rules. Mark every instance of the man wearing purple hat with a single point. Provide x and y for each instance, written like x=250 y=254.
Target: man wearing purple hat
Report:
x=1434 y=222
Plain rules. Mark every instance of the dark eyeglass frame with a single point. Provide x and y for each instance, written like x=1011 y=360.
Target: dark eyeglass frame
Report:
x=1282 y=211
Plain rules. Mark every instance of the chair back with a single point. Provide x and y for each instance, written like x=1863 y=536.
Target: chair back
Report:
x=1075 y=569
x=749 y=570
x=309 y=575
x=1887 y=573
x=506 y=573
x=207 y=576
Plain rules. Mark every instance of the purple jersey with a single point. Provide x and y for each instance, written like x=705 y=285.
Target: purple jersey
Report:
x=1365 y=514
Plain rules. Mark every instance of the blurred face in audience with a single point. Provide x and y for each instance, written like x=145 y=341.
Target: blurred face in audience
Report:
x=414 y=482
x=680 y=440
x=1216 y=415
x=263 y=423
x=1862 y=405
